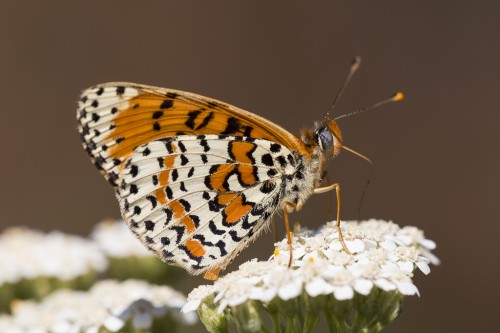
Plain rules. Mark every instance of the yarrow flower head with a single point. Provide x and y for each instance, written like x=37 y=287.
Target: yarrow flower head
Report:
x=362 y=291
x=33 y=263
x=127 y=257
x=109 y=306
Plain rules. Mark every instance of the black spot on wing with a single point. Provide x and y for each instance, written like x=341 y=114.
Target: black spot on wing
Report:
x=233 y=126
x=134 y=170
x=234 y=236
x=167 y=104
x=282 y=161
x=213 y=229
x=186 y=204
x=150 y=226
x=205 y=121
x=120 y=90
x=181 y=146
x=190 y=122
x=267 y=159
x=275 y=147
x=133 y=189
x=157 y=114
x=222 y=247
x=153 y=200
x=180 y=232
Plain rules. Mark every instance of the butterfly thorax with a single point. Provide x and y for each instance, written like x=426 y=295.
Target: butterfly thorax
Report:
x=306 y=177
x=323 y=141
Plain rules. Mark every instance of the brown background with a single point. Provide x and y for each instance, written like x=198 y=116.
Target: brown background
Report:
x=436 y=154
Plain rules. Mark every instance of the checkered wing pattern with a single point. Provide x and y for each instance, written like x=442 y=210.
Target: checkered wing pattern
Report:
x=197 y=201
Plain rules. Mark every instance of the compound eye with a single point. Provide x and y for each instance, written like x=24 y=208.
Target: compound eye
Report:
x=326 y=140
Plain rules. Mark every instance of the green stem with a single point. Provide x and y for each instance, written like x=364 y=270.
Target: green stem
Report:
x=310 y=321
x=291 y=325
x=276 y=322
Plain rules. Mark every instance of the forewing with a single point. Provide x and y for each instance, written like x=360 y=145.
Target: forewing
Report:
x=116 y=118
x=196 y=201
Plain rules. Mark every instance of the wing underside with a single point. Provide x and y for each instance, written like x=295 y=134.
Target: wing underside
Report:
x=196 y=201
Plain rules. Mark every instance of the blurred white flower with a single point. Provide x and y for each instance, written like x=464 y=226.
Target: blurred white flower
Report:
x=29 y=254
x=115 y=240
x=383 y=260
x=109 y=305
x=128 y=258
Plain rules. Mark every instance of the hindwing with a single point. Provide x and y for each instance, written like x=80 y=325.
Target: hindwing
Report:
x=197 y=201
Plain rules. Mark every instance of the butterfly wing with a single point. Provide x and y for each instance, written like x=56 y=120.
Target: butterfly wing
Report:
x=116 y=118
x=197 y=201
x=197 y=179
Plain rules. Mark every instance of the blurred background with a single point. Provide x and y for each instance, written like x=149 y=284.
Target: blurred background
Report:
x=436 y=154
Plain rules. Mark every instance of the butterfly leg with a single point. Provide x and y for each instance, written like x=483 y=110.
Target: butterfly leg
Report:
x=286 y=206
x=329 y=188
x=326 y=178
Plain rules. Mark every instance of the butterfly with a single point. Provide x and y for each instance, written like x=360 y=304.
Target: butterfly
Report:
x=197 y=179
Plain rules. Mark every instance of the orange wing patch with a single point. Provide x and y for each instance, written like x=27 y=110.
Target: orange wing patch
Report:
x=241 y=151
x=195 y=248
x=236 y=209
x=168 y=163
x=179 y=212
x=247 y=173
x=219 y=176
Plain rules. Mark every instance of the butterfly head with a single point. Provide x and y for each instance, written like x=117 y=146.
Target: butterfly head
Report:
x=328 y=137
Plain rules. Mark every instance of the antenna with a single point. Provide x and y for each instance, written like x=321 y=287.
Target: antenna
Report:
x=356 y=62
x=397 y=97
x=368 y=181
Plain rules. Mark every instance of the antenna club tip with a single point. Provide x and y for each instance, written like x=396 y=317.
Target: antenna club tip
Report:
x=356 y=62
x=398 y=97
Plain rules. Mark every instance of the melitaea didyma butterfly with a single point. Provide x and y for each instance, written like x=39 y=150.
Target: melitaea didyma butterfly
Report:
x=197 y=179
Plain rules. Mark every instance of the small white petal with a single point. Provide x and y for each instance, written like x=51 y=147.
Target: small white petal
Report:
x=427 y=243
x=423 y=267
x=405 y=240
x=290 y=290
x=93 y=329
x=406 y=266
x=343 y=293
x=385 y=285
x=407 y=288
x=262 y=294
x=318 y=286
x=363 y=286
x=388 y=245
x=222 y=306
x=434 y=260
x=113 y=324
x=355 y=246
x=190 y=318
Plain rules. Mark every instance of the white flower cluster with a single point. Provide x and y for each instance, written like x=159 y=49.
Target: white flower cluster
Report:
x=108 y=305
x=115 y=240
x=28 y=254
x=383 y=256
